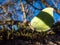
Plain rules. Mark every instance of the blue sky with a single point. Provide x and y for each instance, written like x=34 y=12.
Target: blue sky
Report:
x=38 y=5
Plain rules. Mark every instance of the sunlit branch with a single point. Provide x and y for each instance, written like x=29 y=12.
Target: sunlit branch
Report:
x=22 y=7
x=55 y=3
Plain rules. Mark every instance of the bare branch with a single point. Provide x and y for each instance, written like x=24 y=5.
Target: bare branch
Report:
x=22 y=7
